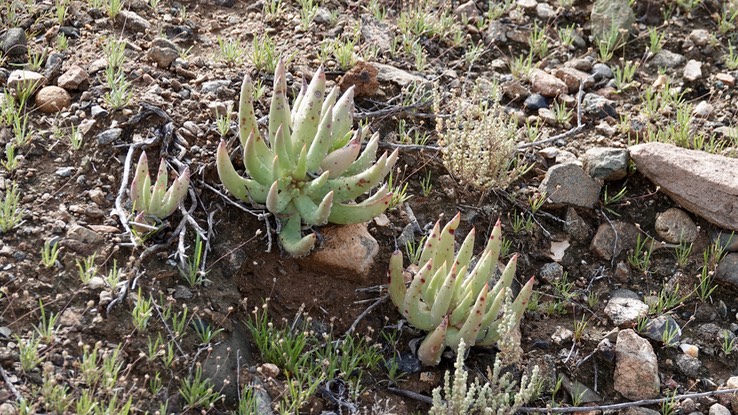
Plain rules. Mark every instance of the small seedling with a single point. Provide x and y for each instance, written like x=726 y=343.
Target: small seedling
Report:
x=624 y=75
x=28 y=353
x=399 y=192
x=426 y=186
x=640 y=258
x=579 y=327
x=414 y=250
x=562 y=115
x=729 y=341
x=682 y=253
x=142 y=312
x=49 y=253
x=655 y=40
x=223 y=123
x=10 y=212
x=669 y=335
x=193 y=274
x=87 y=268
x=566 y=35
x=264 y=53
x=308 y=11
x=705 y=286
x=606 y=46
x=538 y=41
x=12 y=159
x=46 y=327
x=231 y=50
x=62 y=42
x=113 y=277
x=198 y=392
x=731 y=60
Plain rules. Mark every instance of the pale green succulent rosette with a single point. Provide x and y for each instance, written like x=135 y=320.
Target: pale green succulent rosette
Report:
x=156 y=201
x=311 y=167
x=452 y=301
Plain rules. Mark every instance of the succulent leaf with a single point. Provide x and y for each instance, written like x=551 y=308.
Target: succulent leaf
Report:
x=432 y=347
x=344 y=214
x=240 y=187
x=308 y=115
x=292 y=240
x=397 y=287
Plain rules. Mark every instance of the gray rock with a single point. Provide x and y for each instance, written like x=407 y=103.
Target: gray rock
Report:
x=727 y=270
x=705 y=313
x=496 y=33
x=575 y=226
x=568 y=184
x=547 y=84
x=718 y=409
x=700 y=182
x=527 y=4
x=322 y=15
x=74 y=78
x=667 y=59
x=579 y=391
x=609 y=14
x=467 y=10
x=657 y=328
x=98 y=112
x=65 y=171
x=53 y=67
x=551 y=271
x=675 y=226
x=639 y=410
x=573 y=77
x=692 y=71
x=84 y=235
x=601 y=71
x=376 y=33
x=388 y=73
x=689 y=365
x=609 y=241
x=624 y=311
x=580 y=64
x=163 y=52
x=606 y=163
x=700 y=37
x=108 y=136
x=598 y=106
x=15 y=44
x=535 y=102
x=221 y=365
x=214 y=87
x=133 y=22
x=636 y=367
x=544 y=11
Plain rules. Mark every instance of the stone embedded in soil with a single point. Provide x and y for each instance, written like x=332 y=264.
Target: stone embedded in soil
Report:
x=612 y=14
x=84 y=235
x=348 y=252
x=703 y=183
x=568 y=184
x=725 y=78
x=692 y=71
x=15 y=45
x=21 y=79
x=688 y=365
x=579 y=390
x=573 y=77
x=527 y=4
x=639 y=410
x=655 y=328
x=667 y=59
x=388 y=73
x=601 y=71
x=515 y=91
x=544 y=11
x=580 y=64
x=690 y=349
x=52 y=99
x=700 y=37
x=636 y=367
x=163 y=56
x=575 y=226
x=727 y=270
x=598 y=106
x=551 y=272
x=718 y=409
x=606 y=163
x=624 y=311
x=76 y=77
x=221 y=364
x=535 y=102
x=547 y=84
x=132 y=21
x=675 y=226
x=608 y=243
x=108 y=136
x=8 y=409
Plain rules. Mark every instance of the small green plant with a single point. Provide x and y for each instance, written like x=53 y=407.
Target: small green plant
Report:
x=640 y=258
x=729 y=343
x=606 y=46
x=343 y=51
x=538 y=41
x=498 y=9
x=119 y=93
x=563 y=288
x=46 y=327
x=21 y=132
x=399 y=192
x=179 y=322
x=308 y=10
x=223 y=122
x=413 y=250
x=11 y=162
x=655 y=40
x=705 y=286
x=521 y=65
x=198 y=392
x=579 y=327
x=688 y=5
x=566 y=34
x=231 y=50
x=49 y=253
x=62 y=42
x=669 y=335
x=10 y=211
x=272 y=9
x=426 y=185
x=75 y=138
x=668 y=298
x=726 y=19
x=731 y=60
x=624 y=75
x=87 y=268
x=36 y=60
x=113 y=277
x=205 y=332
x=62 y=6
x=562 y=114
x=682 y=253
x=29 y=353
x=193 y=274
x=142 y=312
x=377 y=10
x=264 y=53
x=669 y=406
x=114 y=8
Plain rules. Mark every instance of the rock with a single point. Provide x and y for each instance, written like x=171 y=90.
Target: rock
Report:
x=496 y=33
x=388 y=73
x=15 y=45
x=547 y=116
x=74 y=78
x=607 y=246
x=53 y=67
x=636 y=367
x=667 y=59
x=21 y=79
x=467 y=10
x=624 y=311
x=568 y=184
x=214 y=87
x=727 y=270
x=8 y=409
x=598 y=106
x=580 y=64
x=551 y=272
x=561 y=334
x=700 y=37
x=71 y=317
x=573 y=77
x=725 y=78
x=692 y=71
x=108 y=136
x=65 y=171
x=656 y=328
x=527 y=4
x=163 y=52
x=515 y=91
x=578 y=390
x=718 y=409
x=544 y=11
x=182 y=292
x=52 y=99
x=732 y=382
x=700 y=182
x=601 y=71
x=703 y=109
x=611 y=14
x=639 y=410
x=688 y=365
x=96 y=283
x=690 y=349
x=547 y=84
x=363 y=77
x=221 y=365
x=675 y=226
x=535 y=102
x=348 y=251
x=606 y=163
x=84 y=235
x=576 y=226
x=132 y=21
x=98 y=112
x=376 y=33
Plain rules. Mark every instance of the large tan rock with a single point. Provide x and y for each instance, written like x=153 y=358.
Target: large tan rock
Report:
x=636 y=367
x=705 y=184
x=348 y=252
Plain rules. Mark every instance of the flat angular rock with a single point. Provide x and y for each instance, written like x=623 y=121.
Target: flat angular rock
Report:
x=636 y=367
x=675 y=226
x=624 y=311
x=606 y=163
x=547 y=84
x=568 y=184
x=727 y=270
x=388 y=73
x=611 y=240
x=703 y=183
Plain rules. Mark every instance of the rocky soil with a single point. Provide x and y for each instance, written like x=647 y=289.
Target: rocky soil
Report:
x=625 y=214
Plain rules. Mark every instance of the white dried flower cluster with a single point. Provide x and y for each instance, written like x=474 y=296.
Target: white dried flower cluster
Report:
x=499 y=396
x=509 y=342
x=479 y=143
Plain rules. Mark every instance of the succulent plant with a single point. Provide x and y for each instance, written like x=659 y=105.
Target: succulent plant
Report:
x=156 y=202
x=310 y=168
x=452 y=298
